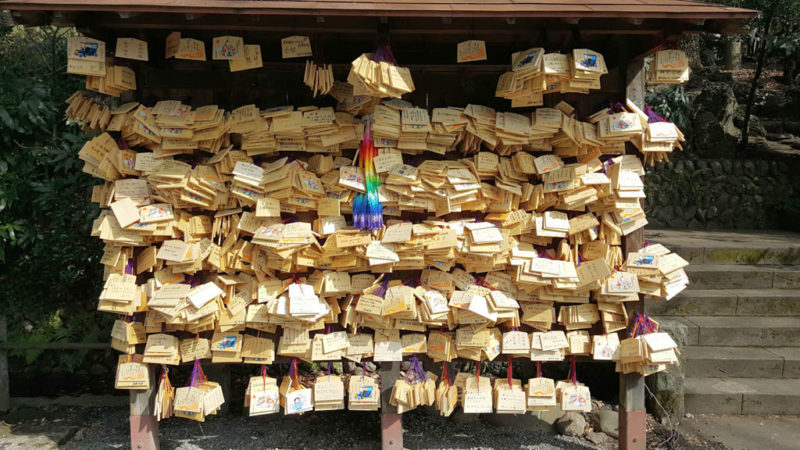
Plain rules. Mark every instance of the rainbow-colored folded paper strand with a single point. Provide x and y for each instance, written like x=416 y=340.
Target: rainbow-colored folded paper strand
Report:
x=367 y=208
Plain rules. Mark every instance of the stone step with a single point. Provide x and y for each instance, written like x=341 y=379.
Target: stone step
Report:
x=728 y=302
x=722 y=276
x=737 y=331
x=730 y=247
x=742 y=396
x=742 y=362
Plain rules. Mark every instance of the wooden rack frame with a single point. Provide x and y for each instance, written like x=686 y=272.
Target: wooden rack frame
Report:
x=144 y=426
x=423 y=37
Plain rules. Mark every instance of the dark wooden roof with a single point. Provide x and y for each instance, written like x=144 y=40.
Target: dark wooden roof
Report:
x=633 y=9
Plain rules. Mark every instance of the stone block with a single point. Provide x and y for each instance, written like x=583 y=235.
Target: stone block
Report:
x=607 y=421
x=695 y=302
x=692 y=330
x=693 y=254
x=750 y=256
x=772 y=397
x=549 y=416
x=571 y=424
x=668 y=386
x=786 y=278
x=729 y=277
x=678 y=329
x=772 y=302
x=713 y=396
x=748 y=331
x=791 y=360
x=739 y=362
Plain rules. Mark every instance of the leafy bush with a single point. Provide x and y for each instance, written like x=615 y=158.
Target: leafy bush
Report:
x=49 y=271
x=672 y=104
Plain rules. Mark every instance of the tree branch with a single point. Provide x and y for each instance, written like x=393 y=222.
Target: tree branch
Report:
x=748 y=111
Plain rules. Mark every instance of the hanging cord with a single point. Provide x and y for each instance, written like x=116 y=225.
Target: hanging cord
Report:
x=617 y=107
x=129 y=267
x=653 y=117
x=573 y=372
x=381 y=291
x=508 y=371
x=318 y=76
x=412 y=282
x=164 y=372
x=294 y=374
x=197 y=376
x=415 y=371
x=383 y=49
x=643 y=325
x=264 y=375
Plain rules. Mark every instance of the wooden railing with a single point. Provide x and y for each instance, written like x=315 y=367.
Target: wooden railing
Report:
x=5 y=346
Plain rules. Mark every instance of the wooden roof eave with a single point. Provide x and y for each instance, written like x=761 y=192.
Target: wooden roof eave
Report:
x=643 y=9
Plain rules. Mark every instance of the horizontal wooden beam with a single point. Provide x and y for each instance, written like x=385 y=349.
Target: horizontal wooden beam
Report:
x=399 y=26
x=476 y=33
x=397 y=8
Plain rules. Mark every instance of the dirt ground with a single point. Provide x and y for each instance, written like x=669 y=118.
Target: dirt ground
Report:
x=73 y=427
x=103 y=428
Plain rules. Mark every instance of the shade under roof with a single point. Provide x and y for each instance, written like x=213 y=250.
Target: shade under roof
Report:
x=633 y=9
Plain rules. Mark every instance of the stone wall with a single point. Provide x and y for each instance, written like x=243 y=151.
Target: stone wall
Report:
x=693 y=192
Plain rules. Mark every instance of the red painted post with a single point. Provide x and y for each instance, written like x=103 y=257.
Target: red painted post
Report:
x=144 y=426
x=144 y=433
x=632 y=415
x=391 y=421
x=392 y=431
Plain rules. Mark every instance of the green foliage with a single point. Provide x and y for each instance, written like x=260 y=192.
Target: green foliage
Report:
x=48 y=260
x=784 y=10
x=786 y=46
x=672 y=104
x=783 y=18
x=785 y=36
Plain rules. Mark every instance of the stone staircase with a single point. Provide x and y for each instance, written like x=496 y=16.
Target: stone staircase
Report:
x=742 y=310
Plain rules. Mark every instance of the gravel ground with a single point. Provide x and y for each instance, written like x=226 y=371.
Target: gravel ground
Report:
x=103 y=428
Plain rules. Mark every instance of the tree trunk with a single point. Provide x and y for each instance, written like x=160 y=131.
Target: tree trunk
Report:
x=762 y=54
x=733 y=53
x=789 y=70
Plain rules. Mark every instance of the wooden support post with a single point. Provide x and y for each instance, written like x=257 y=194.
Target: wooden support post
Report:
x=5 y=393
x=632 y=413
x=391 y=421
x=144 y=426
